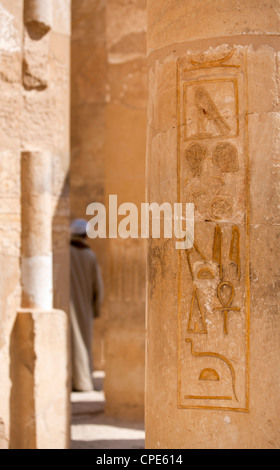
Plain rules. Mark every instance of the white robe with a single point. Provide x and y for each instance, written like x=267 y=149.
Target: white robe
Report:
x=85 y=300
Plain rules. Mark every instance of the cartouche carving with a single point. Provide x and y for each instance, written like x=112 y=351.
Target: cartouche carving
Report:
x=213 y=172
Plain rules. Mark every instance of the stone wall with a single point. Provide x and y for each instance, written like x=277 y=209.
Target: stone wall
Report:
x=108 y=158
x=125 y=177
x=34 y=165
x=88 y=108
x=11 y=32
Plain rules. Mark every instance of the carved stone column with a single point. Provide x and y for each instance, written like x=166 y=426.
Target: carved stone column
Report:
x=213 y=369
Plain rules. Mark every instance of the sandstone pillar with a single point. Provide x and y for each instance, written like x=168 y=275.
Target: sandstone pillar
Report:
x=37 y=275
x=125 y=177
x=213 y=368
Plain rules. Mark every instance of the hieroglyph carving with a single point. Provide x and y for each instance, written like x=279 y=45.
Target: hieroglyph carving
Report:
x=213 y=173
x=225 y=157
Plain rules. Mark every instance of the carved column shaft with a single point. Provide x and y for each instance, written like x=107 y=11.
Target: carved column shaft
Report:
x=213 y=141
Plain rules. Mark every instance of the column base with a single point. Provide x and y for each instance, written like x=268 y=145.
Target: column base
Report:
x=39 y=372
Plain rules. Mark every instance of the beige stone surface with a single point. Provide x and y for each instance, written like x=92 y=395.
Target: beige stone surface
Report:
x=11 y=31
x=125 y=177
x=39 y=405
x=11 y=14
x=125 y=354
x=168 y=21
x=212 y=378
x=125 y=18
x=88 y=103
x=212 y=130
x=91 y=428
x=108 y=138
x=35 y=63
x=34 y=117
x=61 y=16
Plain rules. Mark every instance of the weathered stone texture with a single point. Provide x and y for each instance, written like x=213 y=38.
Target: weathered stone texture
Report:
x=88 y=104
x=37 y=400
x=125 y=352
x=10 y=224
x=34 y=118
x=125 y=177
x=108 y=157
x=167 y=26
x=212 y=378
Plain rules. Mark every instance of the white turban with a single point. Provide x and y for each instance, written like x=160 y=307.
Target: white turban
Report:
x=78 y=227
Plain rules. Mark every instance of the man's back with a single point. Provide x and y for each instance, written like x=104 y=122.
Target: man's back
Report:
x=85 y=299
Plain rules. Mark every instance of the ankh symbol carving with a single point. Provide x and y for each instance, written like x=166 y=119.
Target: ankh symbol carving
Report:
x=226 y=307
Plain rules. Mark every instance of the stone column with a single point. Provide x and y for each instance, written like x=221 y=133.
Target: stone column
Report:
x=213 y=370
x=36 y=186
x=125 y=177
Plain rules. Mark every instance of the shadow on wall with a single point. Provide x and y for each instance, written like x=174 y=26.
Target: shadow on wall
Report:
x=61 y=255
x=61 y=239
